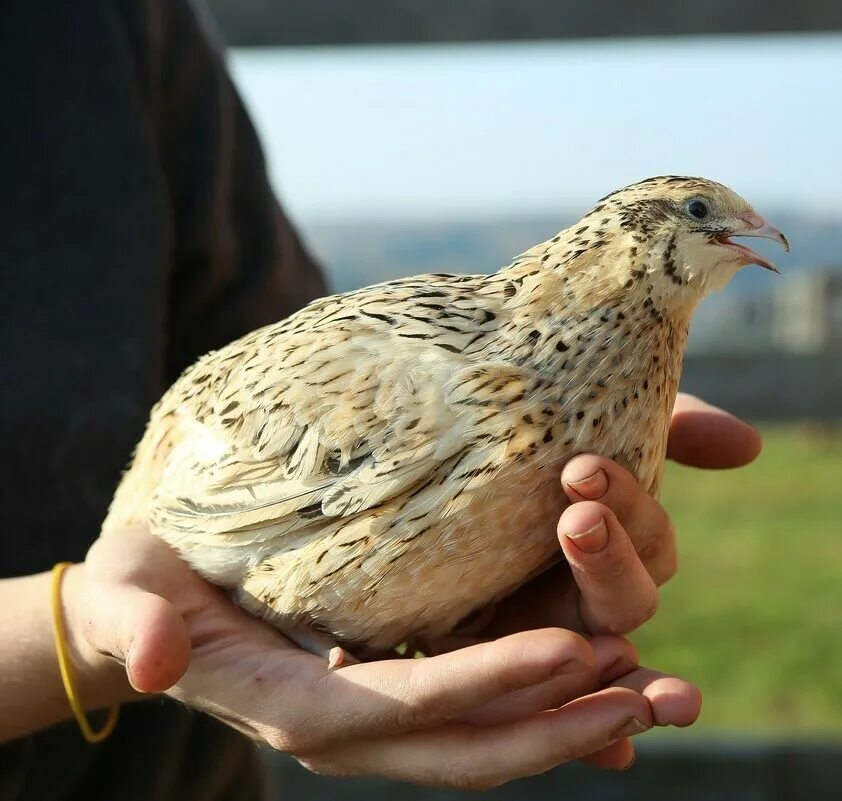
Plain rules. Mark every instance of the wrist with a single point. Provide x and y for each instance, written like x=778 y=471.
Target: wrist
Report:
x=101 y=680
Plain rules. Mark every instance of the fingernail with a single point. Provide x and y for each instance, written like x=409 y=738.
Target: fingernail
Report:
x=591 y=487
x=130 y=671
x=630 y=728
x=570 y=666
x=631 y=762
x=591 y=541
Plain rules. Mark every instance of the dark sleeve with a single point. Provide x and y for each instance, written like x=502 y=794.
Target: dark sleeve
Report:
x=237 y=263
x=137 y=231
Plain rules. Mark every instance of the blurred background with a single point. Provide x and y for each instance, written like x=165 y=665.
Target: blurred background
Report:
x=407 y=137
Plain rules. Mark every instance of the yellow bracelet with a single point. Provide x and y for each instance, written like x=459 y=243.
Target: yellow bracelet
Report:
x=66 y=668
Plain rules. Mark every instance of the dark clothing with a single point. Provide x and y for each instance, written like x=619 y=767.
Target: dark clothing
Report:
x=137 y=231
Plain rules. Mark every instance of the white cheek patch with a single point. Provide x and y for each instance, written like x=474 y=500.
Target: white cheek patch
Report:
x=704 y=267
x=720 y=275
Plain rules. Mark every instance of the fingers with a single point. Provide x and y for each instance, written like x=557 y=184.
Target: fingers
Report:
x=394 y=696
x=142 y=630
x=613 y=657
x=652 y=533
x=702 y=435
x=617 y=592
x=478 y=758
x=675 y=702
x=125 y=619
x=296 y=705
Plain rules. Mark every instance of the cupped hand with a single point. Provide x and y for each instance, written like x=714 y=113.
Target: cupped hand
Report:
x=618 y=542
x=407 y=719
x=619 y=546
x=514 y=705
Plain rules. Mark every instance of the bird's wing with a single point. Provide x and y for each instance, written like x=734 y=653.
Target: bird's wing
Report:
x=345 y=405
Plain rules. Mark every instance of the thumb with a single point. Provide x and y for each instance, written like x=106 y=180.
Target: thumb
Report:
x=142 y=630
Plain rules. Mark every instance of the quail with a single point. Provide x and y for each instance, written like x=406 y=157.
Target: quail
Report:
x=383 y=463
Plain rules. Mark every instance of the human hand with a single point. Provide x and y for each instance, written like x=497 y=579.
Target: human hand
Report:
x=619 y=546
x=408 y=719
x=469 y=718
x=618 y=541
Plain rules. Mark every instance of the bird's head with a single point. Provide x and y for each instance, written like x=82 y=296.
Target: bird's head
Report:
x=675 y=234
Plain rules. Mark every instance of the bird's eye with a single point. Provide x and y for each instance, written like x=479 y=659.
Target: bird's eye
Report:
x=698 y=209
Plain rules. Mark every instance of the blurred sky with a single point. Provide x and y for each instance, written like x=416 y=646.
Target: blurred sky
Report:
x=472 y=130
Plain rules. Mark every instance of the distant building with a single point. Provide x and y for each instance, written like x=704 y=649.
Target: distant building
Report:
x=801 y=316
x=808 y=314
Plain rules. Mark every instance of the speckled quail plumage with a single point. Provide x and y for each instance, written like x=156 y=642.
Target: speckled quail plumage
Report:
x=384 y=462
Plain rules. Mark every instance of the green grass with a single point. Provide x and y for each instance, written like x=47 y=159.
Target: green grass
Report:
x=754 y=616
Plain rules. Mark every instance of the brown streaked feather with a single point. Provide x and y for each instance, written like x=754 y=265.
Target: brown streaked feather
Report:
x=384 y=462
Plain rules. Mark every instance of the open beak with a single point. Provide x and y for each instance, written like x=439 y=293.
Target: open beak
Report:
x=755 y=225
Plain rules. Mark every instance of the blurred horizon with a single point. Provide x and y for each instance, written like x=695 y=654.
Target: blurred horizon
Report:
x=472 y=131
